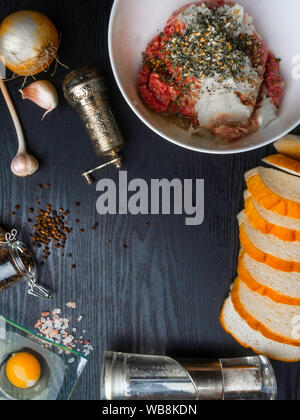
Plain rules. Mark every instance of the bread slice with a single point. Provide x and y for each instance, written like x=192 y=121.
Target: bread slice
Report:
x=283 y=162
x=274 y=218
x=260 y=256
x=234 y=325
x=275 y=321
x=284 y=256
x=279 y=286
x=289 y=145
x=258 y=222
x=268 y=243
x=275 y=190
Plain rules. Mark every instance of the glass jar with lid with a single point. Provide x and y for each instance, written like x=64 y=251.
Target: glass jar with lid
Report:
x=18 y=263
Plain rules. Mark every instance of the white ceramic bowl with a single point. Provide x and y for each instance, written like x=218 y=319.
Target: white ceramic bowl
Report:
x=134 y=23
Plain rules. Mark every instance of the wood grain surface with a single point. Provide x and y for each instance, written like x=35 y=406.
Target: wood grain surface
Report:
x=163 y=293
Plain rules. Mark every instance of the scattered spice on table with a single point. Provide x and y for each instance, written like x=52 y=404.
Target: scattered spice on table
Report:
x=50 y=227
x=57 y=328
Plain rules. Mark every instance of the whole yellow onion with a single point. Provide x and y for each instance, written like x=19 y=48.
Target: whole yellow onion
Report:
x=29 y=42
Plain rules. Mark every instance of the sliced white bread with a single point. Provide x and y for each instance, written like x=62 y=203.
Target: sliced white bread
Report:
x=289 y=145
x=275 y=190
x=274 y=218
x=285 y=250
x=234 y=325
x=268 y=249
x=279 y=286
x=284 y=163
x=276 y=321
x=258 y=222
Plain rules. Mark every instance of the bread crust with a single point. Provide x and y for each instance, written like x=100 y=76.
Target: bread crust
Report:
x=247 y=346
x=263 y=290
x=262 y=257
x=254 y=323
x=289 y=145
x=258 y=222
x=268 y=199
x=283 y=162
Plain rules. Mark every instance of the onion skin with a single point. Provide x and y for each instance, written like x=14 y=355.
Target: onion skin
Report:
x=29 y=43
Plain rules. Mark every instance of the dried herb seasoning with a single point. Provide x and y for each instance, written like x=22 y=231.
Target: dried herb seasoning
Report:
x=212 y=45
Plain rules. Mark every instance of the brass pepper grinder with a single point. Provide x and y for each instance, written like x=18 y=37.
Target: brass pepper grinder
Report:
x=85 y=90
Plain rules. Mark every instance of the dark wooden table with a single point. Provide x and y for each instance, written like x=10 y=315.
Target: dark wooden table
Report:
x=164 y=292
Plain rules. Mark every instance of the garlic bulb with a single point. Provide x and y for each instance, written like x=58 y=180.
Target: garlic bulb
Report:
x=43 y=94
x=29 y=42
x=24 y=165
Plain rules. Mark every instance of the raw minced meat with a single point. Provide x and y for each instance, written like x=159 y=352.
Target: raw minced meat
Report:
x=210 y=66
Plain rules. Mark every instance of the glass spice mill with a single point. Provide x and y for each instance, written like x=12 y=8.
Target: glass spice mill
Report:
x=17 y=263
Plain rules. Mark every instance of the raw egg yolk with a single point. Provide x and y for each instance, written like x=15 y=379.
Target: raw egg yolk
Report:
x=23 y=370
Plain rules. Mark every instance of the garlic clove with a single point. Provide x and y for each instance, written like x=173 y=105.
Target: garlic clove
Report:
x=43 y=94
x=24 y=165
